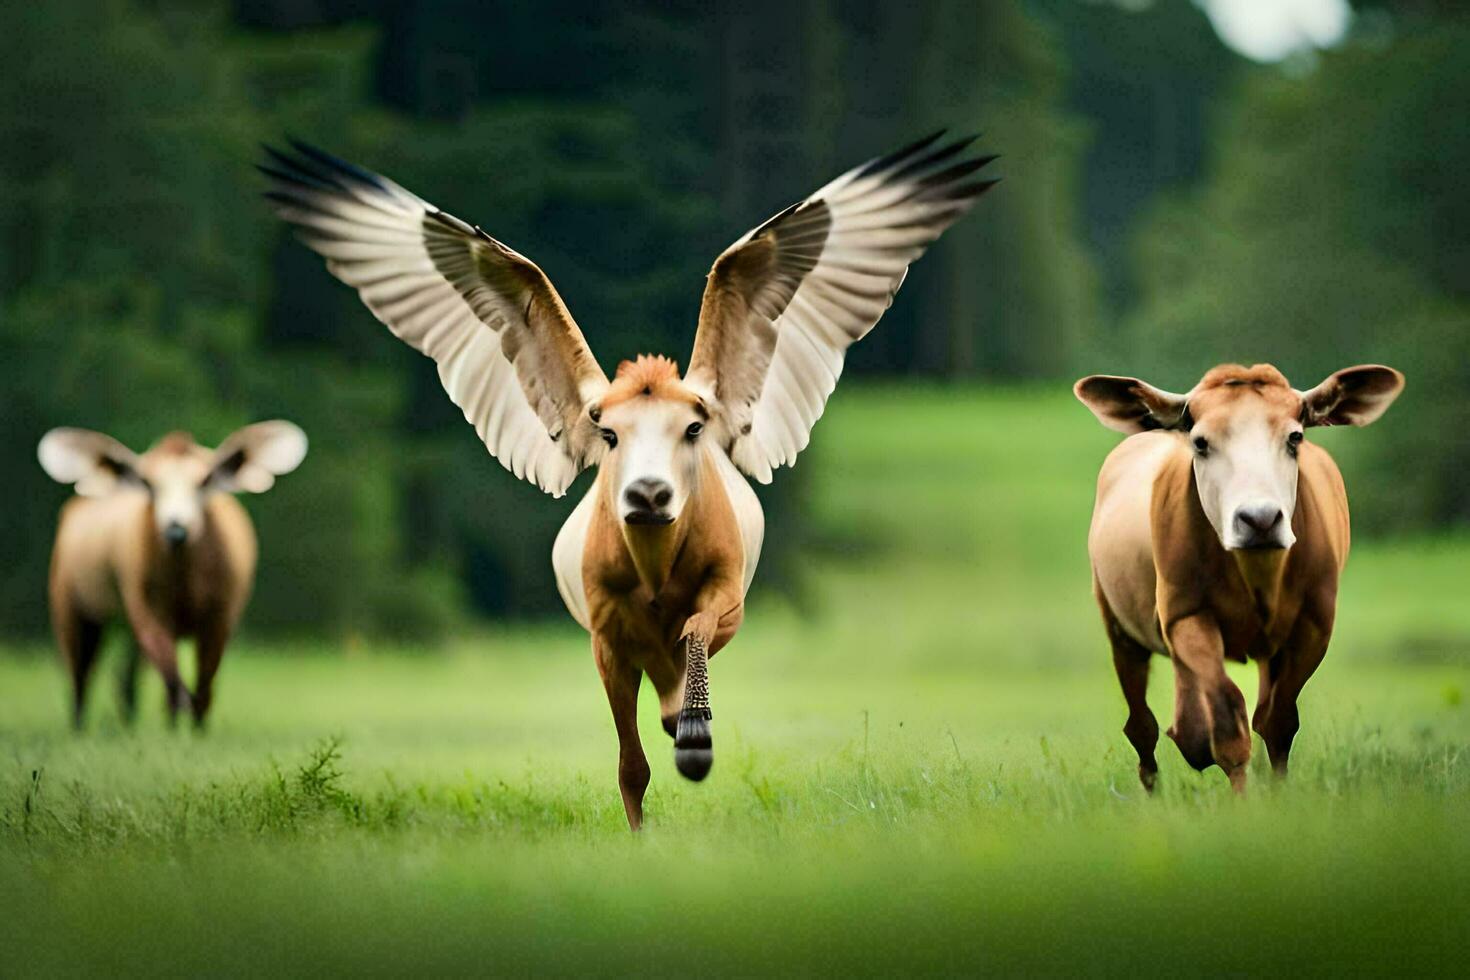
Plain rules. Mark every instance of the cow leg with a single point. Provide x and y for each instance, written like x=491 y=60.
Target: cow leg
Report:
x=127 y=683
x=1191 y=728
x=1209 y=710
x=1282 y=679
x=159 y=646
x=80 y=639
x=621 y=681
x=211 y=647
x=667 y=676
x=693 y=747
x=704 y=634
x=1131 y=661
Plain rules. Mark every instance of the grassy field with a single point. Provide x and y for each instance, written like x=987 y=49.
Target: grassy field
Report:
x=918 y=768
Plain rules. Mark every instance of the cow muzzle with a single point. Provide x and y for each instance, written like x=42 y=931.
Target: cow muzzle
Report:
x=175 y=534
x=646 y=502
x=1258 y=527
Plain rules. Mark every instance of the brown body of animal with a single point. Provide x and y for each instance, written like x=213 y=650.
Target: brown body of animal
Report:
x=659 y=597
x=157 y=540
x=655 y=560
x=1220 y=533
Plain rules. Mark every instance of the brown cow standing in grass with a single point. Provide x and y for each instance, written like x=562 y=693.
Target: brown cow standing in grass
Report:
x=656 y=559
x=1219 y=533
x=157 y=540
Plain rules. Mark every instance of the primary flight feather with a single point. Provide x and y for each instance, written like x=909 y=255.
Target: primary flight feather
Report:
x=780 y=308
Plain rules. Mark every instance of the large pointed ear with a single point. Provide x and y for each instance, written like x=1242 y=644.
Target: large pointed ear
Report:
x=251 y=458
x=96 y=463
x=1130 y=405
x=1352 y=396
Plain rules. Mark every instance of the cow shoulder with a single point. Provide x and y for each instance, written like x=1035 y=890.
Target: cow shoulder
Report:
x=1322 y=529
x=1186 y=552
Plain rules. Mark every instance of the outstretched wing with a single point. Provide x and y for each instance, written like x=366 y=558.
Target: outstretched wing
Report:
x=783 y=304
x=509 y=353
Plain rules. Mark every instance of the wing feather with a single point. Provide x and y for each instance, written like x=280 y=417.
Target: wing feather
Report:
x=783 y=304
x=508 y=352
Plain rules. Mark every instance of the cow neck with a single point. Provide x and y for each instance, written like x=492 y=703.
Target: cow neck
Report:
x=654 y=549
x=1263 y=573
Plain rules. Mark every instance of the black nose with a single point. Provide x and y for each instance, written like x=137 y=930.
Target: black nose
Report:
x=175 y=533
x=1258 y=519
x=648 y=495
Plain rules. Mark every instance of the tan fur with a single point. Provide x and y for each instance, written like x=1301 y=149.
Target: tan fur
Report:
x=647 y=592
x=110 y=562
x=651 y=375
x=1166 y=585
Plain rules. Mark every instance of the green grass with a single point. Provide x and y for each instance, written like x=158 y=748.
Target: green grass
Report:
x=918 y=768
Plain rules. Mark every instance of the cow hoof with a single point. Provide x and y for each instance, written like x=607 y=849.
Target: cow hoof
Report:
x=1195 y=747
x=693 y=754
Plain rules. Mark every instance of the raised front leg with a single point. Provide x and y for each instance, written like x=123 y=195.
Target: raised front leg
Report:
x=621 y=680
x=704 y=633
x=1209 y=710
x=693 y=747
x=159 y=646
x=1282 y=679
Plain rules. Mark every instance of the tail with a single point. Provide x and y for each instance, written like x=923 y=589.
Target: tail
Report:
x=693 y=752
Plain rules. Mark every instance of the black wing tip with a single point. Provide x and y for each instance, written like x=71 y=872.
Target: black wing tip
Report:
x=922 y=155
x=971 y=191
x=884 y=162
x=317 y=165
x=959 y=143
x=952 y=174
x=276 y=174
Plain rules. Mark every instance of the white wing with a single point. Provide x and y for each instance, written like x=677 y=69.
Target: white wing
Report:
x=509 y=353
x=783 y=304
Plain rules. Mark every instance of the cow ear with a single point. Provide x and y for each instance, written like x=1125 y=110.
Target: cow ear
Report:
x=1130 y=405
x=251 y=458
x=97 y=464
x=1352 y=396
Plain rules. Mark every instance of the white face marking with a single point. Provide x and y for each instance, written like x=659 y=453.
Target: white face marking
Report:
x=177 y=485
x=655 y=465
x=1247 y=476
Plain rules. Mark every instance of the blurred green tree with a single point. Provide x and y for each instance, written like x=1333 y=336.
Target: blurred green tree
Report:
x=143 y=287
x=1334 y=228
x=133 y=275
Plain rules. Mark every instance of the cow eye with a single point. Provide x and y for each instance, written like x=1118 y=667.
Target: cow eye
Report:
x=1201 y=445
x=692 y=433
x=610 y=437
x=1293 y=440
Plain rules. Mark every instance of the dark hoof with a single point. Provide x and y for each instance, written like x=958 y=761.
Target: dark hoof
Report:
x=671 y=725
x=1195 y=747
x=693 y=754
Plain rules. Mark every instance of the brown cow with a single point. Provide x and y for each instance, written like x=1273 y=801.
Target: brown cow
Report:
x=158 y=540
x=1219 y=533
x=656 y=559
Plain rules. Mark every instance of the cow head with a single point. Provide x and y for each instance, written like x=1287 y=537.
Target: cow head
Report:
x=652 y=424
x=177 y=473
x=1245 y=427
